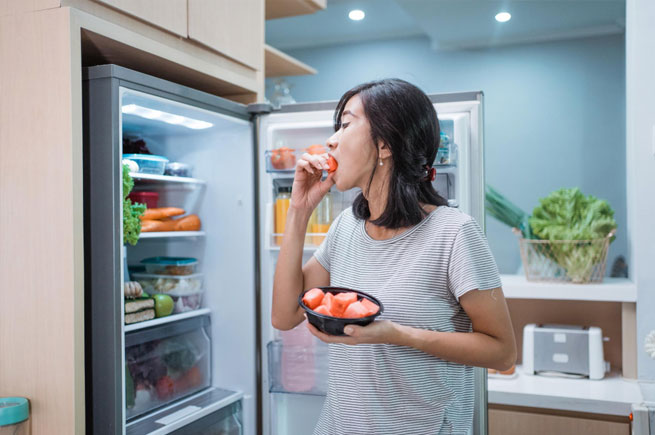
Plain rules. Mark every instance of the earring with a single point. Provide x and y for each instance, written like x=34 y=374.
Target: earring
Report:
x=381 y=162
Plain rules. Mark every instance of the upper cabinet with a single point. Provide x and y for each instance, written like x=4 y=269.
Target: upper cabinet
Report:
x=289 y=8
x=232 y=28
x=170 y=15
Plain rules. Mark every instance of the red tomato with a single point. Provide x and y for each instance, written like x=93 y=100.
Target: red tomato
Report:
x=322 y=309
x=283 y=158
x=165 y=387
x=313 y=298
x=341 y=302
x=332 y=163
x=371 y=307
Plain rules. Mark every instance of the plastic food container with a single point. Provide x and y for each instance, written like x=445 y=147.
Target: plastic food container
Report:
x=170 y=265
x=150 y=199
x=281 y=159
x=14 y=414
x=179 y=285
x=148 y=163
x=186 y=301
x=177 y=169
x=334 y=325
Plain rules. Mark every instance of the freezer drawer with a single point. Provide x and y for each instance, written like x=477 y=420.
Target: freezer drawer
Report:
x=166 y=363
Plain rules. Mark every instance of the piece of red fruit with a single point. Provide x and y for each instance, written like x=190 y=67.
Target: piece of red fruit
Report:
x=371 y=307
x=322 y=309
x=355 y=311
x=332 y=164
x=313 y=298
x=341 y=302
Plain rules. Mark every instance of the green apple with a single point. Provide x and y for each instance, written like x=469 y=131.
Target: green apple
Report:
x=163 y=305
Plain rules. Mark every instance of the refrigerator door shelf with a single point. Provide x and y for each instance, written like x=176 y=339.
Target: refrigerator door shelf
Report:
x=214 y=408
x=298 y=369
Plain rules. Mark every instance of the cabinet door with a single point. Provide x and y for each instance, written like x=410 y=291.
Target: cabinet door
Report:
x=506 y=422
x=167 y=14
x=233 y=28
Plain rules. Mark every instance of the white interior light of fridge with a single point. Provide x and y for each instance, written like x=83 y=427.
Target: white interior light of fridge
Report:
x=169 y=118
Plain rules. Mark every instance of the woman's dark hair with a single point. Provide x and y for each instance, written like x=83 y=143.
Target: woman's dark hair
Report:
x=403 y=118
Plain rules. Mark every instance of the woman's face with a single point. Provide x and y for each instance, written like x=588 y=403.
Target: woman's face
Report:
x=352 y=147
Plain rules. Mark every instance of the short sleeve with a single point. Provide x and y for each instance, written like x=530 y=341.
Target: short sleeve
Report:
x=471 y=266
x=325 y=249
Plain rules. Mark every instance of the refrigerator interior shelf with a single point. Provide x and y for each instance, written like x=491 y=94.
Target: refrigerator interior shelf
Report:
x=312 y=241
x=167 y=319
x=162 y=179
x=189 y=410
x=170 y=234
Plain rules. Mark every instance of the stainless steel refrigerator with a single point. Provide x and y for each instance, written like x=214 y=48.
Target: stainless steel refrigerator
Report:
x=218 y=367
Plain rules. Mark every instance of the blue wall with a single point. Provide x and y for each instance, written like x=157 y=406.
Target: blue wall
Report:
x=554 y=112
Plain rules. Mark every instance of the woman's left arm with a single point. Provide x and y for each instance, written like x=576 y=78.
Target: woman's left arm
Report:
x=491 y=344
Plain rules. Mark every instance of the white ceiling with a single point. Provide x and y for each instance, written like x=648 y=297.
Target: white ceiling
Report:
x=450 y=24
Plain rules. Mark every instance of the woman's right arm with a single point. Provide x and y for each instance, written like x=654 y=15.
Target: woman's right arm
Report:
x=291 y=277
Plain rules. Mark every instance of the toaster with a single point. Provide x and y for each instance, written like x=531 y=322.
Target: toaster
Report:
x=565 y=350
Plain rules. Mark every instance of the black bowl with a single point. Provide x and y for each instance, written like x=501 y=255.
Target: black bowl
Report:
x=334 y=325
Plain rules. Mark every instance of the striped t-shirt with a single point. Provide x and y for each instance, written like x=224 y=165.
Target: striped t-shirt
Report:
x=418 y=276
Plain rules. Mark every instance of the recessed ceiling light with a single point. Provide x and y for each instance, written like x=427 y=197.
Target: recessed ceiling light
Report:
x=356 y=15
x=503 y=17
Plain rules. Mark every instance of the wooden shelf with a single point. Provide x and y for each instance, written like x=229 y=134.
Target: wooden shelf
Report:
x=610 y=290
x=290 y=8
x=278 y=64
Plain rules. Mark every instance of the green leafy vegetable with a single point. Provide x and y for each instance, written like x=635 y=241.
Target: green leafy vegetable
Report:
x=506 y=212
x=567 y=214
x=131 y=211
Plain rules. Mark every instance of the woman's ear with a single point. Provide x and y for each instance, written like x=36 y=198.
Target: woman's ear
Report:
x=384 y=150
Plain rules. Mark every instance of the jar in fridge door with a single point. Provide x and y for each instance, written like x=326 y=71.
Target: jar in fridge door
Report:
x=282 y=202
x=323 y=219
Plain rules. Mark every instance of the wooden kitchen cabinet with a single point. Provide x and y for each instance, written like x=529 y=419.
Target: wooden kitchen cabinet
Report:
x=234 y=29
x=514 y=421
x=170 y=15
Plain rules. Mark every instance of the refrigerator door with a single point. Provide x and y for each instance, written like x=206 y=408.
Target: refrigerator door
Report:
x=215 y=137
x=291 y=407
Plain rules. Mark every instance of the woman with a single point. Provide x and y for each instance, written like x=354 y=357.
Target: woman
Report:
x=409 y=372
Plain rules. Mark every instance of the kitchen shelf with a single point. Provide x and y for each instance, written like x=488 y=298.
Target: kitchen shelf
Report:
x=291 y=8
x=164 y=179
x=278 y=64
x=184 y=412
x=168 y=319
x=154 y=235
x=610 y=290
x=612 y=395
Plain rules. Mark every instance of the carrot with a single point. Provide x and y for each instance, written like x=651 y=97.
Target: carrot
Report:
x=371 y=307
x=322 y=309
x=341 y=302
x=188 y=223
x=313 y=298
x=332 y=163
x=355 y=311
x=155 y=225
x=161 y=213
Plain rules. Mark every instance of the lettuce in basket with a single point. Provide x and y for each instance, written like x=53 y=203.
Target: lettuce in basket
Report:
x=567 y=214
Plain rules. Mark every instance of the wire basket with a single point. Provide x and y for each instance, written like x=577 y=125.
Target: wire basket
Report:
x=574 y=261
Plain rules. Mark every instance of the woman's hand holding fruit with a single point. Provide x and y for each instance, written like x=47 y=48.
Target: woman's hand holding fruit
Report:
x=308 y=188
x=379 y=331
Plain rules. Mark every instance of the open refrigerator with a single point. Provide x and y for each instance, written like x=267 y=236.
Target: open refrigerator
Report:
x=216 y=365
